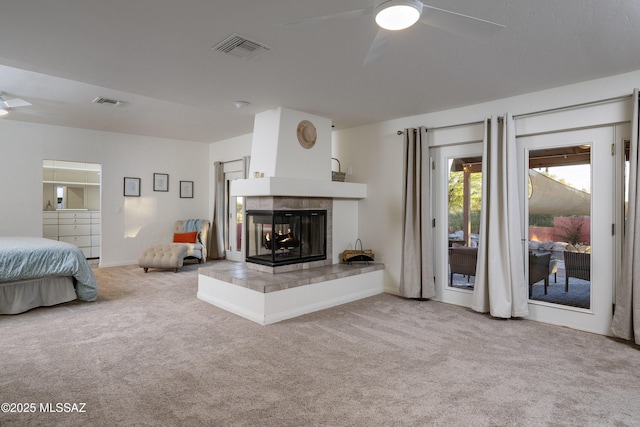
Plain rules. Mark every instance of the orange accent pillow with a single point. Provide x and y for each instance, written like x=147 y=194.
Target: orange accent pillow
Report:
x=185 y=237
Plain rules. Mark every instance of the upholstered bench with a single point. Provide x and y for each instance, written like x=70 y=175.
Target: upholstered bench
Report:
x=166 y=255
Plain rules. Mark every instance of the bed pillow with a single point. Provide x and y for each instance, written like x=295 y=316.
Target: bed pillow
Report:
x=190 y=237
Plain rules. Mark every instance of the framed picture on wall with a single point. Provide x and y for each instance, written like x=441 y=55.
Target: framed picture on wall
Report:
x=160 y=182
x=186 y=189
x=131 y=187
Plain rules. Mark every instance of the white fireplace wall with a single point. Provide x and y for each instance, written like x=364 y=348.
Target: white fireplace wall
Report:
x=345 y=226
x=276 y=152
x=311 y=169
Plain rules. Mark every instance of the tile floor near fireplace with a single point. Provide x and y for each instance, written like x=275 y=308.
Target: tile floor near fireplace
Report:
x=267 y=298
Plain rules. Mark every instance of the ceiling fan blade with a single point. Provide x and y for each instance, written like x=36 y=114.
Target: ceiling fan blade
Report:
x=378 y=47
x=16 y=102
x=457 y=23
x=311 y=20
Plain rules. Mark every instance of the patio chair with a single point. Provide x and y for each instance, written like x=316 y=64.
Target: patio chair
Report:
x=576 y=264
x=462 y=260
x=538 y=270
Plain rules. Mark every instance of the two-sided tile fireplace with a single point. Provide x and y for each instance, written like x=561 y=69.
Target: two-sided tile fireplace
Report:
x=286 y=237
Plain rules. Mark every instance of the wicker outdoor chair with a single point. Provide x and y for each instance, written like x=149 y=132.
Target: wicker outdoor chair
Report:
x=538 y=270
x=462 y=260
x=576 y=264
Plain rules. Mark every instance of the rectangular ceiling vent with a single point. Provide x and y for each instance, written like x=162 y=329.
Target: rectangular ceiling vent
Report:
x=101 y=100
x=240 y=46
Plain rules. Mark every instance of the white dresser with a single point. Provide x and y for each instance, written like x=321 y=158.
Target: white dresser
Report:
x=80 y=228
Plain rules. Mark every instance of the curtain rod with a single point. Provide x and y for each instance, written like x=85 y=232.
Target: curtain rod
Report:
x=231 y=161
x=535 y=113
x=573 y=106
x=400 y=132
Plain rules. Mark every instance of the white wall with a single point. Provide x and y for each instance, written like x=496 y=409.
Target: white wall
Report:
x=129 y=224
x=374 y=152
x=275 y=149
x=345 y=227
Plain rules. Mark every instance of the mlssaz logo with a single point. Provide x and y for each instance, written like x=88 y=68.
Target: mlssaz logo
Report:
x=63 y=407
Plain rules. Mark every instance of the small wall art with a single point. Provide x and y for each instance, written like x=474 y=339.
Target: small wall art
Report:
x=160 y=182
x=131 y=187
x=186 y=189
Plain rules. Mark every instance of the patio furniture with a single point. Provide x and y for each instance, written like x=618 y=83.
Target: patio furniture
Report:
x=576 y=264
x=553 y=268
x=539 y=270
x=462 y=260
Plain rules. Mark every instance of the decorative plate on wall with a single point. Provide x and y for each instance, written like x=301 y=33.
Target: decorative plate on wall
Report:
x=306 y=134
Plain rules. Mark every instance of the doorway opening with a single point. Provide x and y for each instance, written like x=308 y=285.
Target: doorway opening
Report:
x=71 y=204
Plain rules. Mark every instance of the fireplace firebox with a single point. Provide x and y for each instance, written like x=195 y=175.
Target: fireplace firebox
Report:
x=286 y=237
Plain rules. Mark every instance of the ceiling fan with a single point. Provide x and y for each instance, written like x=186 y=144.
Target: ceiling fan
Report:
x=395 y=15
x=11 y=103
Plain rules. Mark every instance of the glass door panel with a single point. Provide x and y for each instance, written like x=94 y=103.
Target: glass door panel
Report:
x=234 y=209
x=457 y=187
x=464 y=204
x=559 y=199
x=568 y=218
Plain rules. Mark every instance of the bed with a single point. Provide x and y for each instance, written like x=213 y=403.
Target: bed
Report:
x=38 y=272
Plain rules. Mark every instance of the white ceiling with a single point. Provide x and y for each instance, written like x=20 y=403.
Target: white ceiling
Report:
x=156 y=56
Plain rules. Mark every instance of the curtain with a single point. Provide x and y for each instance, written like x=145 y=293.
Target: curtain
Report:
x=246 y=162
x=500 y=287
x=416 y=277
x=216 y=242
x=626 y=318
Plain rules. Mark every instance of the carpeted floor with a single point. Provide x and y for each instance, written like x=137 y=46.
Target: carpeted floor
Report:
x=148 y=353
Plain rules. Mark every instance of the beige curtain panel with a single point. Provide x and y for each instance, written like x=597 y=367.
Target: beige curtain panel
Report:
x=416 y=277
x=500 y=287
x=216 y=243
x=626 y=318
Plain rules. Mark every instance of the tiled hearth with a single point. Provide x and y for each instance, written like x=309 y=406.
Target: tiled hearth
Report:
x=267 y=298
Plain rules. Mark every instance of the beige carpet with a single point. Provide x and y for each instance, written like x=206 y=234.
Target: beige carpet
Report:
x=149 y=353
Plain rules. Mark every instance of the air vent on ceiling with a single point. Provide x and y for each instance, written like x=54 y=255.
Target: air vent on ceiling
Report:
x=240 y=46
x=101 y=100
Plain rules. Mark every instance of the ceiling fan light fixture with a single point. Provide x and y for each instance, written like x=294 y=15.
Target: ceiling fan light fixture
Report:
x=397 y=15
